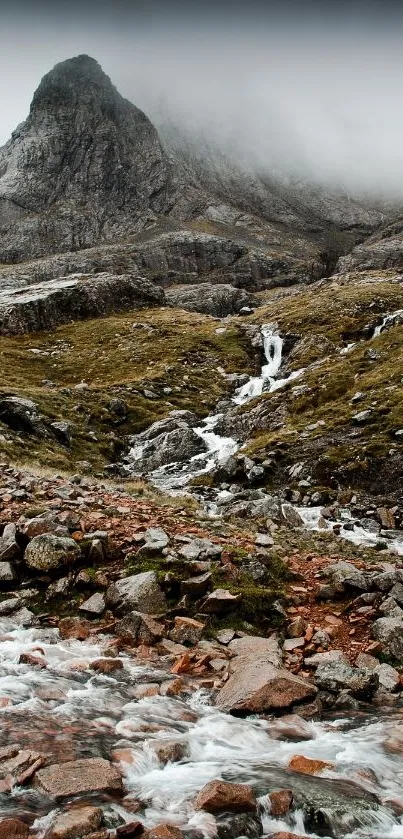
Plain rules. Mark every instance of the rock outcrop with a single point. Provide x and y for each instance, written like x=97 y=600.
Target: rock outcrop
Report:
x=217 y=300
x=44 y=306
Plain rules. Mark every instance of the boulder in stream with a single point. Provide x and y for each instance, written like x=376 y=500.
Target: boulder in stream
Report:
x=218 y=796
x=74 y=822
x=78 y=777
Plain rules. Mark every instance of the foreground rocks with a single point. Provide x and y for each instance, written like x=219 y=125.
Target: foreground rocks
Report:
x=78 y=777
x=219 y=795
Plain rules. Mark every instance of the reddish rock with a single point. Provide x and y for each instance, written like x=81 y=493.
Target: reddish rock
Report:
x=13 y=829
x=173 y=688
x=183 y=665
x=129 y=831
x=17 y=766
x=75 y=823
x=280 y=802
x=163 y=831
x=107 y=665
x=287 y=835
x=76 y=777
x=150 y=689
x=308 y=765
x=187 y=631
x=217 y=796
x=77 y=628
x=32 y=660
x=258 y=686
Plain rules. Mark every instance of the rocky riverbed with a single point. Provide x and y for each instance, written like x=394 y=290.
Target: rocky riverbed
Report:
x=169 y=701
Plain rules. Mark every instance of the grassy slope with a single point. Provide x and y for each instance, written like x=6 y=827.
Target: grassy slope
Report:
x=118 y=357
x=326 y=318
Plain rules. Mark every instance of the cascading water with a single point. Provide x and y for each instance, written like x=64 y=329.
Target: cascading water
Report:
x=387 y=321
x=69 y=711
x=175 y=475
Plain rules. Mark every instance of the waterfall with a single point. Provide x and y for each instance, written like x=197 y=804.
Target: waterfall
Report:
x=273 y=353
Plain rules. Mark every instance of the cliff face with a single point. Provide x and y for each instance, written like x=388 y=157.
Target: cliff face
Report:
x=85 y=161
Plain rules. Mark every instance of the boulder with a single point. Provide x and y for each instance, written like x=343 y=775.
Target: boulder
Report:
x=139 y=592
x=75 y=823
x=199 y=549
x=258 y=687
x=197 y=586
x=218 y=796
x=187 y=631
x=95 y=605
x=78 y=777
x=168 y=751
x=280 y=802
x=107 y=665
x=9 y=548
x=389 y=632
x=136 y=626
x=344 y=576
x=339 y=675
x=220 y=601
x=231 y=825
x=20 y=414
x=51 y=553
x=177 y=446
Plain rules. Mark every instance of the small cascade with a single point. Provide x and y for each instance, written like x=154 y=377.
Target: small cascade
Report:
x=267 y=381
x=347 y=528
x=387 y=321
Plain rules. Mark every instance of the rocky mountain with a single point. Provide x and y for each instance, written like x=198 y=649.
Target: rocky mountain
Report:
x=88 y=168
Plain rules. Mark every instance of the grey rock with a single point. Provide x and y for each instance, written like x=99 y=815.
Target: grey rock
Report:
x=10 y=605
x=139 y=592
x=397 y=593
x=62 y=432
x=200 y=549
x=141 y=627
x=46 y=305
x=389 y=632
x=339 y=675
x=389 y=678
x=390 y=608
x=101 y=163
x=291 y=515
x=344 y=576
x=155 y=541
x=7 y=572
x=220 y=601
x=21 y=415
x=362 y=416
x=329 y=657
x=175 y=446
x=95 y=605
x=387 y=579
x=51 y=553
x=197 y=586
x=217 y=300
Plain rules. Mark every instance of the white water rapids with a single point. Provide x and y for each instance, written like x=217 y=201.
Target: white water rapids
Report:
x=175 y=475
x=68 y=712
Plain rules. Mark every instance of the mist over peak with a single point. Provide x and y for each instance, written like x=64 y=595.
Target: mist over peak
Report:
x=306 y=90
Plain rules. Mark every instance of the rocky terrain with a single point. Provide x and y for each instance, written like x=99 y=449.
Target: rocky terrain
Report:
x=201 y=500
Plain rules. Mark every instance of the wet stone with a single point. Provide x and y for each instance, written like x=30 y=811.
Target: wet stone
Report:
x=63 y=780
x=280 y=802
x=75 y=823
x=217 y=796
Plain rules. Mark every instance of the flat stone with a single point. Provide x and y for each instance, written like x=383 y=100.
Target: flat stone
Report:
x=77 y=777
x=293 y=644
x=75 y=823
x=225 y=636
x=259 y=687
x=325 y=658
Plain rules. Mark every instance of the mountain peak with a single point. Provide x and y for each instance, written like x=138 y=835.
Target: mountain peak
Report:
x=72 y=78
x=85 y=164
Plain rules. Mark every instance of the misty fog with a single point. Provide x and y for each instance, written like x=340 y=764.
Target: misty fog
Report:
x=315 y=101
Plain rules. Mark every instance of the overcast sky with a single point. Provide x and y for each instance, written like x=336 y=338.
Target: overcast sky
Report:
x=315 y=87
